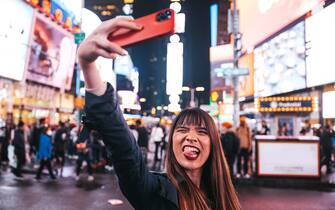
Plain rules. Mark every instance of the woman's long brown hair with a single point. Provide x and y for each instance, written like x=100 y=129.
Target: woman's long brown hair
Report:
x=216 y=189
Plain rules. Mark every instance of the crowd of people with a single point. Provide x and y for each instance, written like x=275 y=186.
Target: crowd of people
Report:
x=42 y=145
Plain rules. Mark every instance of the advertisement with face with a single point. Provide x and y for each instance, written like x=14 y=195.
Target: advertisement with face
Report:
x=279 y=64
x=259 y=19
x=15 y=31
x=52 y=54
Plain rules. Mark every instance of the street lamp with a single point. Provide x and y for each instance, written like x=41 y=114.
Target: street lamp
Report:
x=193 y=90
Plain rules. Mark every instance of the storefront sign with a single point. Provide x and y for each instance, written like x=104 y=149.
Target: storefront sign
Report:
x=285 y=104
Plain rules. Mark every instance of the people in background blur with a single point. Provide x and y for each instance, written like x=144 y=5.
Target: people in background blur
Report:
x=156 y=136
x=143 y=138
x=59 y=146
x=243 y=132
x=85 y=153
x=283 y=130
x=44 y=152
x=231 y=145
x=265 y=130
x=326 y=146
x=134 y=131
x=19 y=149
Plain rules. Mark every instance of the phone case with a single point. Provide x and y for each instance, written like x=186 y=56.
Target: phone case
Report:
x=154 y=25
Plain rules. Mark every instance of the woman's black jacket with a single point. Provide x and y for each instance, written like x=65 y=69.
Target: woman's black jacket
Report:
x=143 y=189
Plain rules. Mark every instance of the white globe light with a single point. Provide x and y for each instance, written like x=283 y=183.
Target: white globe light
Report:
x=176 y=6
x=174 y=38
x=174 y=99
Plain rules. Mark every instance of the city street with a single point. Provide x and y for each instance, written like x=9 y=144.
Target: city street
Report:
x=64 y=194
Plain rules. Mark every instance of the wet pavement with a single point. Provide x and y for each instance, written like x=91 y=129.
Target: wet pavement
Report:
x=66 y=194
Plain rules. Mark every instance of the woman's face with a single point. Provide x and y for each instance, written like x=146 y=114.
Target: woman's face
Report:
x=191 y=146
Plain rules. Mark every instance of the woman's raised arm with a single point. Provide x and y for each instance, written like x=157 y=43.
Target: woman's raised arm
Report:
x=97 y=45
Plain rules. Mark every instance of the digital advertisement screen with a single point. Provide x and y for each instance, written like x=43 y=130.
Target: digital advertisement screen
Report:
x=328 y=104
x=15 y=29
x=279 y=64
x=320 y=46
x=288 y=159
x=259 y=19
x=52 y=54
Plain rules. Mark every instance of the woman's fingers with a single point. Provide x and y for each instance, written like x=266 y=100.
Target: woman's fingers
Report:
x=119 y=32
x=111 y=47
x=111 y=26
x=105 y=54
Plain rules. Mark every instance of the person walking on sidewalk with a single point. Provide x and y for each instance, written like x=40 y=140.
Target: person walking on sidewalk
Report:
x=231 y=145
x=19 y=149
x=244 y=134
x=44 y=152
x=197 y=175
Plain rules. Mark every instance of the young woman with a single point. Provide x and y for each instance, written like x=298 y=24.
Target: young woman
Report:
x=197 y=173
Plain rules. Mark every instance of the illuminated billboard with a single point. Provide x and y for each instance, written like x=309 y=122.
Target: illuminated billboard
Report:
x=279 y=64
x=15 y=30
x=52 y=54
x=320 y=46
x=259 y=19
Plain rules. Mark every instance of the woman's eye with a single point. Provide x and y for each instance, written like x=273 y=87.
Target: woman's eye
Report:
x=181 y=130
x=203 y=132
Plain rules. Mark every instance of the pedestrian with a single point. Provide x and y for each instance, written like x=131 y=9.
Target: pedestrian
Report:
x=243 y=132
x=156 y=136
x=326 y=147
x=197 y=175
x=143 y=139
x=85 y=153
x=44 y=153
x=265 y=130
x=19 y=149
x=59 y=146
x=132 y=128
x=231 y=145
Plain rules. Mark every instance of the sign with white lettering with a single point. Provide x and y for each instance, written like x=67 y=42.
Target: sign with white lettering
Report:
x=285 y=104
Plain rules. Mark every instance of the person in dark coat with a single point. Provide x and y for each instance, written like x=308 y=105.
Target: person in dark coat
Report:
x=326 y=146
x=197 y=175
x=44 y=153
x=231 y=145
x=143 y=138
x=61 y=136
x=19 y=149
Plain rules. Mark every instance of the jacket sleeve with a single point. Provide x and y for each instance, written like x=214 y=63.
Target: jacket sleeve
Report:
x=104 y=115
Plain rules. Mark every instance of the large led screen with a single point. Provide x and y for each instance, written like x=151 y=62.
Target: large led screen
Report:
x=260 y=19
x=15 y=30
x=52 y=54
x=279 y=64
x=320 y=43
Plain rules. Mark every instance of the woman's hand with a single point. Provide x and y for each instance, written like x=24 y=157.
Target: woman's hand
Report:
x=97 y=45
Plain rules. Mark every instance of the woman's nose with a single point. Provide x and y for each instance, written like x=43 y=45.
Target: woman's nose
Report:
x=191 y=137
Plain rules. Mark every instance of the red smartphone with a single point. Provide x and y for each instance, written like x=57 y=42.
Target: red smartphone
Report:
x=154 y=25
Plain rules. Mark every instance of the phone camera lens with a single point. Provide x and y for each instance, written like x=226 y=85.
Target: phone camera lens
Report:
x=161 y=16
x=168 y=12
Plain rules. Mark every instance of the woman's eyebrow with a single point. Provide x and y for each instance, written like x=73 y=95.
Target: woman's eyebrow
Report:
x=182 y=127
